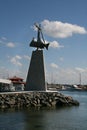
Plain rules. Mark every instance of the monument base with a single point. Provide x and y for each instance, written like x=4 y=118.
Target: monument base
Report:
x=36 y=75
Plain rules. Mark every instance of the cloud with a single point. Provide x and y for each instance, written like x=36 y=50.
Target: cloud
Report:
x=67 y=75
x=16 y=60
x=58 y=29
x=10 y=44
x=4 y=41
x=18 y=57
x=53 y=65
x=4 y=38
x=55 y=44
x=26 y=57
x=80 y=69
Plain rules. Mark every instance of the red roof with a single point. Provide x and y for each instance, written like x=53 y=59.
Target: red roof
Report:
x=16 y=78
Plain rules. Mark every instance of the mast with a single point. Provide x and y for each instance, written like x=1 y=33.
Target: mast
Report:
x=80 y=78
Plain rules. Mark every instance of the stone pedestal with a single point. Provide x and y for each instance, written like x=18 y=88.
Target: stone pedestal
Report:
x=36 y=75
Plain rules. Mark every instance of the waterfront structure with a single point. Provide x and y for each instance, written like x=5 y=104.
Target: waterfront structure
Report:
x=6 y=85
x=36 y=74
x=18 y=83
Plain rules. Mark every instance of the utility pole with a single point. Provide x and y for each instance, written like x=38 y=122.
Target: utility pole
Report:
x=80 y=78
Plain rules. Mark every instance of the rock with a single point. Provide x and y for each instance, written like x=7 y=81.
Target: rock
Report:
x=53 y=103
x=36 y=99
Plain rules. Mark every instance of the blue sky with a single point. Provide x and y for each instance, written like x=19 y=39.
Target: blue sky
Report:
x=64 y=25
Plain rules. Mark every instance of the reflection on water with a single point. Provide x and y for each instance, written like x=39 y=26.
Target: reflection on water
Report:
x=44 y=119
x=34 y=120
x=66 y=118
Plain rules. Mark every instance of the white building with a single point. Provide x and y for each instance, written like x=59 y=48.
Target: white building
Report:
x=6 y=85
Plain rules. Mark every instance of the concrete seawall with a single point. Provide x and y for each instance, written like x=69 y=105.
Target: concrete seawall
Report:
x=35 y=99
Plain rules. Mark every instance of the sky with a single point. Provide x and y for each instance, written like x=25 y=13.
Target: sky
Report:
x=64 y=26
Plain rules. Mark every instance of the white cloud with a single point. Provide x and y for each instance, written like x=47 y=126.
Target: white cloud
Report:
x=55 y=44
x=4 y=38
x=10 y=44
x=80 y=69
x=16 y=60
x=58 y=29
x=18 y=57
x=53 y=65
x=67 y=75
x=26 y=57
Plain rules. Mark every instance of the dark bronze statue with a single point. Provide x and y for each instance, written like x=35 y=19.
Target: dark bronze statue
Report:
x=39 y=43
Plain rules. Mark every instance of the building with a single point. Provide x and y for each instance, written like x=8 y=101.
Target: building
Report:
x=6 y=85
x=18 y=83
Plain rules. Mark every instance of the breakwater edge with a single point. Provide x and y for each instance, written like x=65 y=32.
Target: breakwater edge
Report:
x=35 y=99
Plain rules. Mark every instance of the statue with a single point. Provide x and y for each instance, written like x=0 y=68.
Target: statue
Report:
x=36 y=74
x=39 y=43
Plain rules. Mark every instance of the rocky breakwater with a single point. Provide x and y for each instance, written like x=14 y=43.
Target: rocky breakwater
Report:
x=35 y=99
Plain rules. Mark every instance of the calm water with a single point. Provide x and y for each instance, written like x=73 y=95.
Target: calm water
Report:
x=67 y=118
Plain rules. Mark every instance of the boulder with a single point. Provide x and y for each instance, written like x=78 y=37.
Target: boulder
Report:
x=36 y=99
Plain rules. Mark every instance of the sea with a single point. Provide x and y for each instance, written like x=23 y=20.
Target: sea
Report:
x=63 y=118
